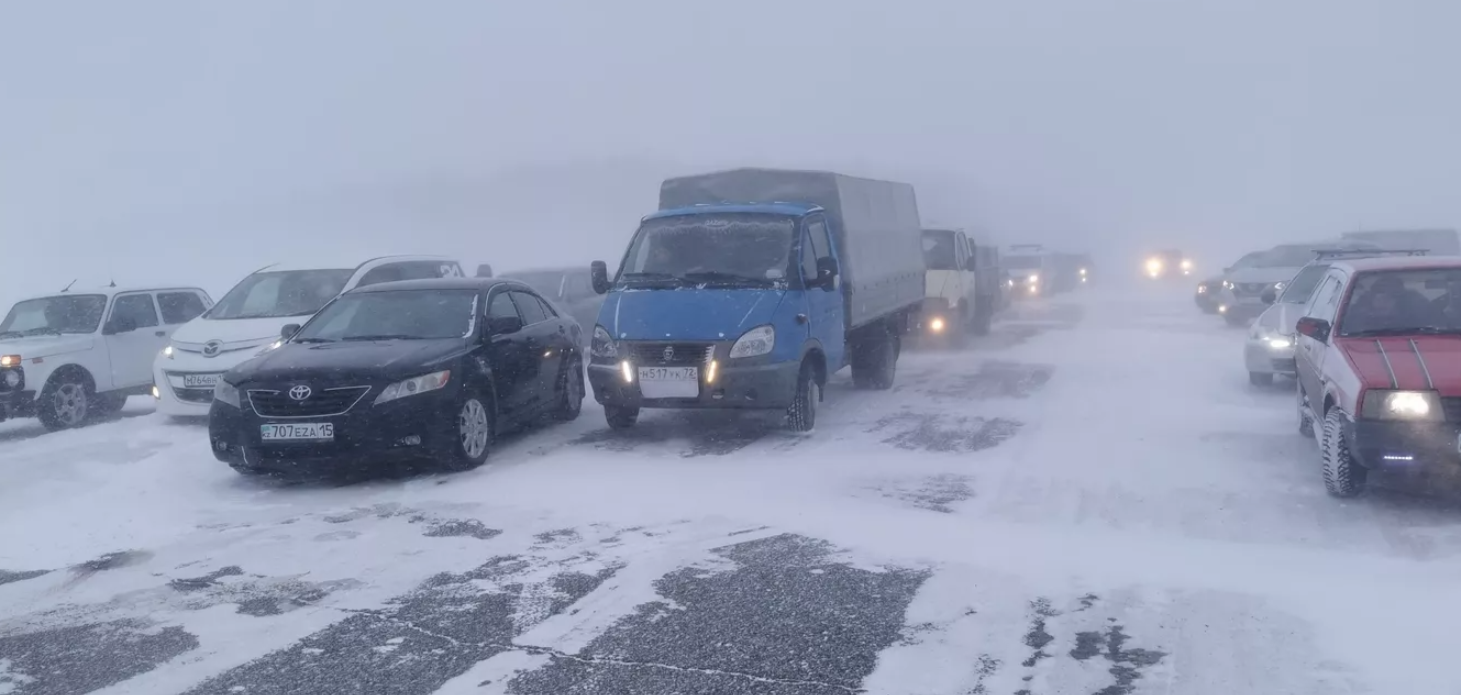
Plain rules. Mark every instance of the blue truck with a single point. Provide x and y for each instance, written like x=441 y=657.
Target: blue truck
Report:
x=749 y=287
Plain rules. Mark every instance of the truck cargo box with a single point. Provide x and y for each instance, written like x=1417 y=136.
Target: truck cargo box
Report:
x=875 y=227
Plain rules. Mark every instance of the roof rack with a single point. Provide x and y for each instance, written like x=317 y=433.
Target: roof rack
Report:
x=1326 y=254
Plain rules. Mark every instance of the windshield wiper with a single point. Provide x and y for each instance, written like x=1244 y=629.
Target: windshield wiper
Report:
x=312 y=340
x=650 y=277
x=382 y=336
x=700 y=276
x=40 y=330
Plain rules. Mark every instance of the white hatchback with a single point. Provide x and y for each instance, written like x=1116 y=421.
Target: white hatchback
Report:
x=248 y=321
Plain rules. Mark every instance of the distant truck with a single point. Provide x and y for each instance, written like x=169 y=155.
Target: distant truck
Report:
x=1028 y=267
x=959 y=299
x=1436 y=242
x=749 y=287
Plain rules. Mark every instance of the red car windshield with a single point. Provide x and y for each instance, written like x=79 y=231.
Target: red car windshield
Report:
x=1399 y=302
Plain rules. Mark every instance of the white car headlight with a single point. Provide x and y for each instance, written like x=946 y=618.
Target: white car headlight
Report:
x=1385 y=404
x=226 y=393
x=167 y=352
x=416 y=384
x=755 y=342
x=603 y=344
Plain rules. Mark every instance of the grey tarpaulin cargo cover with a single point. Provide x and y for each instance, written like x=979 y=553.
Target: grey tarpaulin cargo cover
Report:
x=875 y=226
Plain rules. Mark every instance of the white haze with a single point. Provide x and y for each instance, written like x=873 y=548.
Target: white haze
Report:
x=175 y=141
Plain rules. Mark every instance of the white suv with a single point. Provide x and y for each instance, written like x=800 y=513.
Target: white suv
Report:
x=248 y=319
x=70 y=357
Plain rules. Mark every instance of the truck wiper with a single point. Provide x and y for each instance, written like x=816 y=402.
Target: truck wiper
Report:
x=700 y=276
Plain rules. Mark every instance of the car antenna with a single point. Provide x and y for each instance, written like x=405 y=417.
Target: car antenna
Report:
x=113 y=284
x=68 y=286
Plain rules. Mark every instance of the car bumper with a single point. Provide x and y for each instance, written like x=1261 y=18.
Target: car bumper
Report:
x=1206 y=300
x=174 y=397
x=760 y=386
x=17 y=403
x=417 y=427
x=1406 y=446
x=1262 y=358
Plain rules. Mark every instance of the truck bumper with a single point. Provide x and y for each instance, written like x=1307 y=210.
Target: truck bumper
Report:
x=15 y=404
x=758 y=387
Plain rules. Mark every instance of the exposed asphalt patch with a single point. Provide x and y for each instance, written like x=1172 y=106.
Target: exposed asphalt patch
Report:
x=952 y=434
x=1126 y=664
x=463 y=527
x=1037 y=638
x=6 y=576
x=205 y=581
x=787 y=620
x=993 y=380
x=83 y=658
x=111 y=561
x=417 y=642
x=935 y=493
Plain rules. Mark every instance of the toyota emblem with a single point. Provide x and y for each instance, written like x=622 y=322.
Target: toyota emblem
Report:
x=669 y=353
x=211 y=348
x=300 y=392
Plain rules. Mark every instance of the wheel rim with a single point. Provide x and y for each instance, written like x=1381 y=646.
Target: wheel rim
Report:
x=472 y=424
x=70 y=404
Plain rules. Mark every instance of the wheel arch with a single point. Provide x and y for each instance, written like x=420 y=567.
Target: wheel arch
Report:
x=67 y=370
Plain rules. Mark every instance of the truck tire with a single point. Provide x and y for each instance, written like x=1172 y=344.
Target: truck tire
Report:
x=621 y=417
x=801 y=415
x=66 y=402
x=1343 y=476
x=875 y=362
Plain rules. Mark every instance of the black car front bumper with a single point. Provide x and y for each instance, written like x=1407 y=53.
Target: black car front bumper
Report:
x=1406 y=446
x=747 y=383
x=417 y=427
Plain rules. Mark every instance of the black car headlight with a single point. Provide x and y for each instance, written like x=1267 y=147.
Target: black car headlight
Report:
x=434 y=381
x=226 y=393
x=1388 y=404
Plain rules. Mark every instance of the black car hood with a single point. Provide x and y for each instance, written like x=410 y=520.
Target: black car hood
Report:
x=365 y=360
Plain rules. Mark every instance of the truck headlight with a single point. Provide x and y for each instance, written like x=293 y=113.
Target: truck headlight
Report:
x=1386 y=404
x=755 y=342
x=226 y=393
x=603 y=344
x=416 y=384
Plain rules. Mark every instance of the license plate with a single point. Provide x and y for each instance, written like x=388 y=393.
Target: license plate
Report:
x=200 y=381
x=669 y=382
x=300 y=431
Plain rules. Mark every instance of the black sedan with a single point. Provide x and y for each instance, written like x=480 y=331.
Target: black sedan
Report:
x=420 y=369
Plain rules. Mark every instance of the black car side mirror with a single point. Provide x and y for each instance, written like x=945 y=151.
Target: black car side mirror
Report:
x=1269 y=296
x=1318 y=329
x=504 y=325
x=288 y=331
x=121 y=324
x=827 y=271
x=599 y=274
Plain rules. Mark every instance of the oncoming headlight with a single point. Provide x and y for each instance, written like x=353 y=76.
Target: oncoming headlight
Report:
x=1387 y=404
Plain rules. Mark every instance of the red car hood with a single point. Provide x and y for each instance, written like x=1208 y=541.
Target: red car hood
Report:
x=1417 y=363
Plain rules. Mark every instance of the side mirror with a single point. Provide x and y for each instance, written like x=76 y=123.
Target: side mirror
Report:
x=827 y=272
x=1269 y=296
x=599 y=273
x=122 y=324
x=288 y=331
x=1318 y=329
x=504 y=325
x=484 y=271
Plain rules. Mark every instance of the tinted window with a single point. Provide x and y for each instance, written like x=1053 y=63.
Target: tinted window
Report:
x=179 y=307
x=273 y=294
x=136 y=307
x=528 y=305
x=501 y=307
x=399 y=315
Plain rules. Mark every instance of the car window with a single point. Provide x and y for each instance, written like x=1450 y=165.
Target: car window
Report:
x=501 y=307
x=809 y=260
x=820 y=243
x=390 y=272
x=136 y=307
x=548 y=309
x=1326 y=300
x=528 y=305
x=179 y=307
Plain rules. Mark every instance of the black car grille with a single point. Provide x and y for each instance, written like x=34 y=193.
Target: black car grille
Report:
x=193 y=395
x=320 y=403
x=1452 y=408
x=687 y=354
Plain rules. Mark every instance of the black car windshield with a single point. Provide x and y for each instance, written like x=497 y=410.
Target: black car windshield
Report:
x=394 y=315
x=749 y=249
x=938 y=250
x=1022 y=262
x=72 y=313
x=274 y=294
x=1285 y=257
x=1403 y=302
x=1302 y=286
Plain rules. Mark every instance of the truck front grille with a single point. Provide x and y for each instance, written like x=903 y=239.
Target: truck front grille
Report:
x=681 y=354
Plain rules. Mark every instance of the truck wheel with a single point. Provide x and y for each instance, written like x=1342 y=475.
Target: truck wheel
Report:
x=801 y=415
x=621 y=417
x=875 y=363
x=1343 y=476
x=65 y=403
x=1260 y=378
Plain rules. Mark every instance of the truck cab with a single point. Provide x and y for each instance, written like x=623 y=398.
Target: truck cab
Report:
x=950 y=308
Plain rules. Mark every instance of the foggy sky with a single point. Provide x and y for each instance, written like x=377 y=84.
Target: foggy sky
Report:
x=153 y=141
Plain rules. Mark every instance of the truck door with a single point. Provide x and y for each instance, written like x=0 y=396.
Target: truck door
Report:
x=824 y=303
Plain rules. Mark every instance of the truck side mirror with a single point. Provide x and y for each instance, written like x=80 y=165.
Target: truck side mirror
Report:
x=288 y=331
x=827 y=272
x=1269 y=296
x=599 y=273
x=1318 y=329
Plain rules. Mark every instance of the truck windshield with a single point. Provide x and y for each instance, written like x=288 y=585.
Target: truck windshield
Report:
x=747 y=249
x=281 y=293
x=938 y=250
x=76 y=313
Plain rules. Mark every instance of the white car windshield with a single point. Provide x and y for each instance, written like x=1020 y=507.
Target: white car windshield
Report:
x=80 y=313
x=394 y=315
x=275 y=294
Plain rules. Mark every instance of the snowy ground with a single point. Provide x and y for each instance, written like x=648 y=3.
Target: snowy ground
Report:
x=1092 y=500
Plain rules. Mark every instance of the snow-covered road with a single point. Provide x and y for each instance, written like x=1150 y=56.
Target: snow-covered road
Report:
x=1090 y=500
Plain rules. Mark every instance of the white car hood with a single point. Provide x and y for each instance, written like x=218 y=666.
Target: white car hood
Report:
x=46 y=345
x=234 y=334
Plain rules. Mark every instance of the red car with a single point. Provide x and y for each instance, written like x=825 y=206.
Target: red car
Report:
x=1379 y=367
